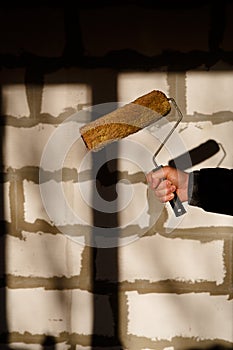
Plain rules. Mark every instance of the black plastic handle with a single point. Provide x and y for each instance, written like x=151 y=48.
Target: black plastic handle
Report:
x=175 y=203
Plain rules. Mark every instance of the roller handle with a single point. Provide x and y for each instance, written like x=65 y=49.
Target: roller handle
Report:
x=175 y=203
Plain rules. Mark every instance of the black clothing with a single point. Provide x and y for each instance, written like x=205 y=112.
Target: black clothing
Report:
x=212 y=190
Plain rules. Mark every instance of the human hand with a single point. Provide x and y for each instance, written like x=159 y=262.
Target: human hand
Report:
x=166 y=181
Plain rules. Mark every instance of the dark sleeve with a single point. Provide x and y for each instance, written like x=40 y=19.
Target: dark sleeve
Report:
x=212 y=190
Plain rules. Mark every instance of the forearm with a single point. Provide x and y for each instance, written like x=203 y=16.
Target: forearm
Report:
x=212 y=190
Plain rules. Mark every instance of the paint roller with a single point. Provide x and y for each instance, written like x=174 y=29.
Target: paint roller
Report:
x=129 y=119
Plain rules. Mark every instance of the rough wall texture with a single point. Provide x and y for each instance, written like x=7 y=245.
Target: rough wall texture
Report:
x=166 y=286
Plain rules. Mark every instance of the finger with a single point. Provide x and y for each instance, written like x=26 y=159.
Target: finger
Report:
x=154 y=176
x=158 y=174
x=165 y=185
x=149 y=177
x=164 y=189
x=153 y=181
x=166 y=198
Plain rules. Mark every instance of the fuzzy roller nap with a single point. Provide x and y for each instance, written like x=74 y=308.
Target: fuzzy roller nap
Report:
x=125 y=120
x=129 y=119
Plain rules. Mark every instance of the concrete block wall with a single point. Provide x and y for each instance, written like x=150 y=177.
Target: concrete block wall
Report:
x=165 y=283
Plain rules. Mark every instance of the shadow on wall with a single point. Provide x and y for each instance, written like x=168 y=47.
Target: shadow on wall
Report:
x=198 y=155
x=49 y=343
x=215 y=347
x=3 y=316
